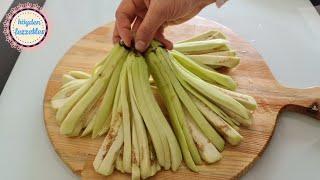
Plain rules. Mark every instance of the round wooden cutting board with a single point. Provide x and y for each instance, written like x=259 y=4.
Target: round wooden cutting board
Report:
x=253 y=76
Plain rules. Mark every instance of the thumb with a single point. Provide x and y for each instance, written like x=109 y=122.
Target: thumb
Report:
x=148 y=28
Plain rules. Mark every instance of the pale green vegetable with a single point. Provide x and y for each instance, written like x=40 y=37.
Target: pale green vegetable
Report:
x=205 y=127
x=140 y=129
x=174 y=108
x=101 y=119
x=212 y=34
x=127 y=148
x=76 y=82
x=114 y=138
x=119 y=161
x=78 y=111
x=234 y=124
x=107 y=164
x=223 y=53
x=201 y=47
x=146 y=114
x=231 y=135
x=207 y=150
x=205 y=74
x=117 y=99
x=79 y=74
x=213 y=93
x=135 y=153
x=117 y=53
x=215 y=60
x=246 y=100
x=67 y=78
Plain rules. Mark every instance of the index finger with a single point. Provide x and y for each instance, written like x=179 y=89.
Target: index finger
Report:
x=125 y=15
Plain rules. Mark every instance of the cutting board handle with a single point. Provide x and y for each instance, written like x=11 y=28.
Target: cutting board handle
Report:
x=305 y=101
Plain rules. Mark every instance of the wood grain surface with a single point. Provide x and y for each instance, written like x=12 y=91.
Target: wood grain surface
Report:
x=253 y=77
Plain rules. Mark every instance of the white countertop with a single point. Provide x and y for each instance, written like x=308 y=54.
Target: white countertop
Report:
x=286 y=33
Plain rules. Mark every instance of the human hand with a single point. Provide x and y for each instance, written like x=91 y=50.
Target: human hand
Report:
x=144 y=20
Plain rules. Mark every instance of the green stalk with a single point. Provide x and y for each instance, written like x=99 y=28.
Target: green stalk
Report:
x=106 y=125
x=155 y=166
x=205 y=74
x=58 y=103
x=174 y=155
x=115 y=123
x=116 y=54
x=87 y=119
x=126 y=119
x=78 y=111
x=207 y=150
x=62 y=96
x=191 y=145
x=202 y=123
x=201 y=47
x=97 y=70
x=119 y=160
x=216 y=61
x=157 y=118
x=201 y=37
x=246 y=100
x=107 y=165
x=147 y=117
x=88 y=129
x=73 y=83
x=212 y=107
x=140 y=129
x=211 y=92
x=67 y=78
x=245 y=122
x=135 y=153
x=111 y=117
x=231 y=135
x=79 y=74
x=101 y=118
x=218 y=35
x=100 y=63
x=74 y=98
x=175 y=111
x=223 y=53
x=76 y=131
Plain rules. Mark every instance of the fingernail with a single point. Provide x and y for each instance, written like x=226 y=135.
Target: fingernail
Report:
x=140 y=46
x=127 y=43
